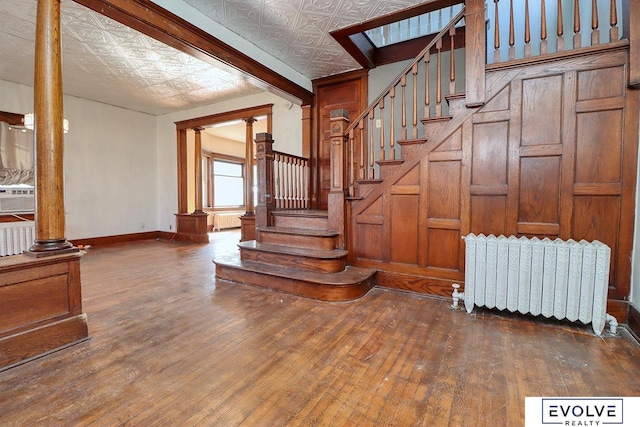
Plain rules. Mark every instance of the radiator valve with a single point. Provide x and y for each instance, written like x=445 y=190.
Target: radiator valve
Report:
x=457 y=296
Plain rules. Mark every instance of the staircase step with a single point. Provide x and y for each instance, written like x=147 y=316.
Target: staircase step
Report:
x=346 y=285
x=366 y=186
x=456 y=101
x=298 y=237
x=322 y=261
x=432 y=125
x=386 y=166
x=301 y=218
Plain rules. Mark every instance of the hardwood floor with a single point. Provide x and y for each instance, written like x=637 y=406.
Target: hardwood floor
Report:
x=171 y=346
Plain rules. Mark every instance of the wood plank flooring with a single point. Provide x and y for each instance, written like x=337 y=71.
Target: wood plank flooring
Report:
x=171 y=346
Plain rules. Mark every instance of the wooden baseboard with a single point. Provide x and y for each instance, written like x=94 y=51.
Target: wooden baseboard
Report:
x=33 y=343
x=420 y=284
x=634 y=321
x=120 y=238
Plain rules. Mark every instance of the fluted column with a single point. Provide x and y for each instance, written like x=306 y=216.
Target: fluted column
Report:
x=198 y=170
x=50 y=215
x=248 y=182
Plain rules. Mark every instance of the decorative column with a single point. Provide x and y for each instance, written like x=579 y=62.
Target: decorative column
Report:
x=198 y=170
x=248 y=220
x=248 y=182
x=264 y=161
x=339 y=121
x=50 y=219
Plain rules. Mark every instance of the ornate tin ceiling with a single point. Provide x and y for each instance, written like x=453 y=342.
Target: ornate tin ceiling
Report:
x=108 y=62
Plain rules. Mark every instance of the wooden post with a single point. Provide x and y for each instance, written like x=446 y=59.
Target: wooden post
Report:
x=475 y=48
x=339 y=121
x=264 y=162
x=248 y=154
x=198 y=169
x=632 y=15
x=50 y=220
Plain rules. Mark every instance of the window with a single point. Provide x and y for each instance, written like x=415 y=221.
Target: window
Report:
x=228 y=183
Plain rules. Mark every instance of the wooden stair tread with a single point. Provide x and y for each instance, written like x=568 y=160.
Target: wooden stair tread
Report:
x=412 y=141
x=309 y=213
x=347 y=277
x=292 y=250
x=299 y=231
x=436 y=119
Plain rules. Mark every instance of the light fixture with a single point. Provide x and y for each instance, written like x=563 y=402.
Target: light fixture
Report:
x=29 y=122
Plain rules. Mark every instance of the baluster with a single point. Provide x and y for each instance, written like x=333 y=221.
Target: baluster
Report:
x=362 y=152
x=299 y=180
x=403 y=84
x=292 y=194
x=576 y=24
x=543 y=28
x=452 y=62
x=352 y=165
x=438 y=79
x=371 y=159
x=613 y=21
x=414 y=105
x=496 y=33
x=289 y=183
x=560 y=28
x=595 y=32
x=512 y=33
x=427 y=101
x=392 y=123
x=285 y=186
x=296 y=186
x=527 y=30
x=276 y=179
x=381 y=107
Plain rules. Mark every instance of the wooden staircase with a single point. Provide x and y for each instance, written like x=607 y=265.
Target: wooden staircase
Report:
x=298 y=255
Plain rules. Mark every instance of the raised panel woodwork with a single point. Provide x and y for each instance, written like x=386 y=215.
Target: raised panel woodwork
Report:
x=369 y=244
x=348 y=92
x=499 y=102
x=444 y=190
x=489 y=153
x=601 y=83
x=404 y=229
x=444 y=248
x=411 y=178
x=51 y=293
x=542 y=110
x=539 y=190
x=453 y=143
x=489 y=215
x=599 y=147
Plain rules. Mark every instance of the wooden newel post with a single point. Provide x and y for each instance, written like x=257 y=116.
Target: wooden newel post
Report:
x=264 y=162
x=248 y=182
x=50 y=216
x=339 y=121
x=475 y=52
x=198 y=169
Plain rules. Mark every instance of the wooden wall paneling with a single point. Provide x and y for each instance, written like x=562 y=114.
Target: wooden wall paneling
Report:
x=347 y=91
x=542 y=110
x=444 y=247
x=423 y=227
x=515 y=140
x=368 y=232
x=569 y=95
x=404 y=214
x=465 y=186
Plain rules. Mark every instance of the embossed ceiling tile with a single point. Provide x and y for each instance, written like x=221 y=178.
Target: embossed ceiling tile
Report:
x=321 y=6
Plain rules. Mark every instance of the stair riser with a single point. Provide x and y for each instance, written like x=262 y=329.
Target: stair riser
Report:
x=300 y=222
x=303 y=263
x=295 y=286
x=308 y=242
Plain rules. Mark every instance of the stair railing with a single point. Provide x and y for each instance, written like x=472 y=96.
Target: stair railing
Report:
x=539 y=27
x=369 y=143
x=291 y=181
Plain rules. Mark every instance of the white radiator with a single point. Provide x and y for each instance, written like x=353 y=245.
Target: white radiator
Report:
x=16 y=237
x=561 y=279
x=226 y=220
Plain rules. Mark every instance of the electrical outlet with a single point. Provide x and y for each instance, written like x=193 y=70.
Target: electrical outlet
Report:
x=378 y=123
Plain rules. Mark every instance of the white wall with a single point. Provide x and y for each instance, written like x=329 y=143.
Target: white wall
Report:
x=109 y=165
x=287 y=135
x=634 y=297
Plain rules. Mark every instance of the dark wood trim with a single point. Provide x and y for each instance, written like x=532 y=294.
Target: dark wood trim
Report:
x=162 y=25
x=13 y=218
x=182 y=170
x=411 y=48
x=120 y=238
x=243 y=113
x=354 y=41
x=13 y=119
x=618 y=309
x=631 y=15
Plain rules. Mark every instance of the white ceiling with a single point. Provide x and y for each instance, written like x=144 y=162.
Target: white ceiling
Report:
x=108 y=62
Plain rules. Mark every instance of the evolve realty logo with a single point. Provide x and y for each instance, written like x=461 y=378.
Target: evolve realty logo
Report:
x=582 y=411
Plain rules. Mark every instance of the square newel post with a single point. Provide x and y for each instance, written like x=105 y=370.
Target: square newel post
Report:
x=339 y=121
x=264 y=162
x=475 y=52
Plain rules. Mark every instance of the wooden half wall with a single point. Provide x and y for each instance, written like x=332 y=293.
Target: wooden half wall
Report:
x=552 y=154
